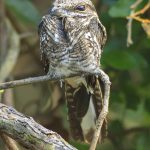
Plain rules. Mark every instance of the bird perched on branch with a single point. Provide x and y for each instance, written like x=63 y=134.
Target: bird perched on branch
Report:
x=71 y=42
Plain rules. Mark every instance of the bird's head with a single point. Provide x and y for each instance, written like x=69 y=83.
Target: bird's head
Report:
x=73 y=8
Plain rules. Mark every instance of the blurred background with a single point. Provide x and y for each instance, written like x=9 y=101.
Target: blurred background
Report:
x=128 y=66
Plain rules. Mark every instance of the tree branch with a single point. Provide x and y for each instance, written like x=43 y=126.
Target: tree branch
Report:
x=28 y=133
x=32 y=80
x=129 y=24
x=26 y=81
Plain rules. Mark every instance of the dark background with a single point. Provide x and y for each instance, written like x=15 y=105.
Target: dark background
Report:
x=128 y=68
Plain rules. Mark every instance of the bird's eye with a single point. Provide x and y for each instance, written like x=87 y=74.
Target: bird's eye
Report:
x=80 y=8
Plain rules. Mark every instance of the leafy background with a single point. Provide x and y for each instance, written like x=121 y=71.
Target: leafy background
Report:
x=128 y=68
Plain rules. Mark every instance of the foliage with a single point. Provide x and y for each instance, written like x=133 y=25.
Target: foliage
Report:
x=24 y=10
x=128 y=68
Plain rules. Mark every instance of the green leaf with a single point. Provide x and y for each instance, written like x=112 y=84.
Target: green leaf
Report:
x=123 y=60
x=131 y=91
x=116 y=127
x=143 y=141
x=24 y=10
x=147 y=105
x=121 y=8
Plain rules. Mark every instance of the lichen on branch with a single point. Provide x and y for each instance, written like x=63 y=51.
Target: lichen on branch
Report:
x=29 y=133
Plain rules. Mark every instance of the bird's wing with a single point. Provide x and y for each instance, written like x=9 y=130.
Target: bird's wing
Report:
x=98 y=30
x=51 y=35
x=102 y=35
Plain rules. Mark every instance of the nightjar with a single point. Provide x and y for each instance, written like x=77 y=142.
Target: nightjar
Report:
x=71 y=42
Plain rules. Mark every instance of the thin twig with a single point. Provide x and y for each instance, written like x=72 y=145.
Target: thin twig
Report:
x=135 y=5
x=103 y=114
x=26 y=81
x=129 y=24
x=31 y=80
x=129 y=29
x=143 y=10
x=137 y=18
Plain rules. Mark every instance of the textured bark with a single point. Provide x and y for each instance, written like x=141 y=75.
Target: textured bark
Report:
x=28 y=133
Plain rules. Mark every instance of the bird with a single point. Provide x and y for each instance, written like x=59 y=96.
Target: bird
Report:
x=71 y=43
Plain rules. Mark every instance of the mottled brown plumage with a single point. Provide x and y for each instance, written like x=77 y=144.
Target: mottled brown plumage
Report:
x=71 y=42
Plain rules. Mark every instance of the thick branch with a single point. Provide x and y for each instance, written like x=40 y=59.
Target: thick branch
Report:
x=28 y=133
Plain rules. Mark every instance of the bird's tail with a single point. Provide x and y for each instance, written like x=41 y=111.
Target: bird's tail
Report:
x=84 y=106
